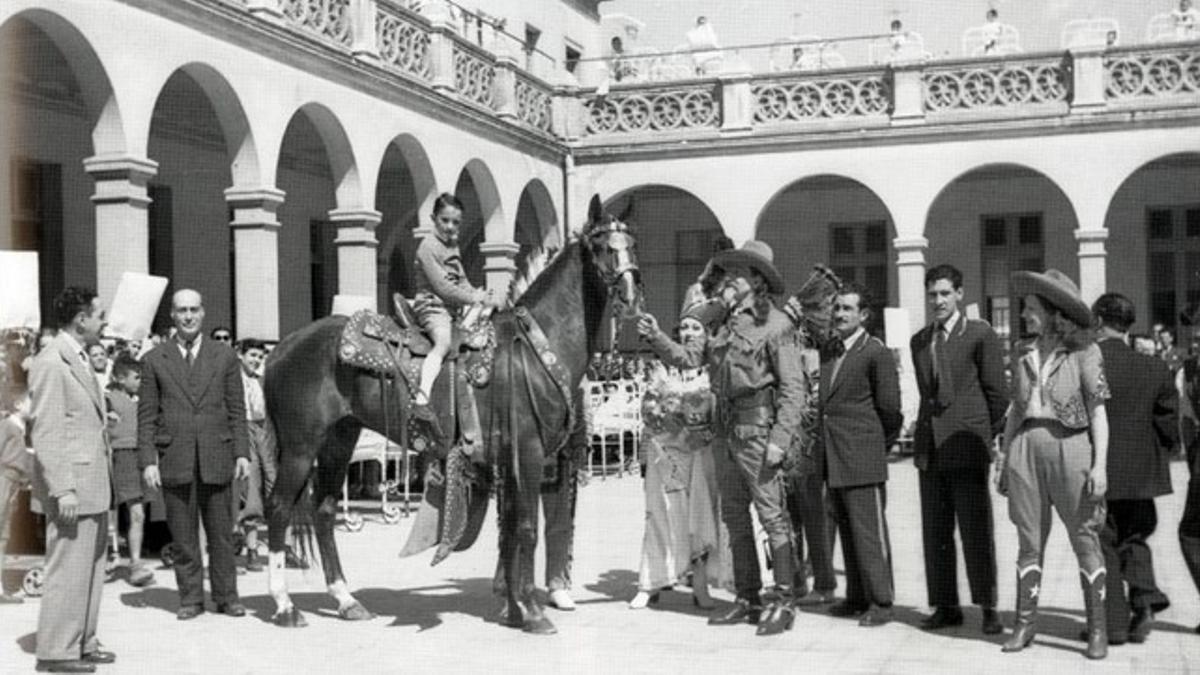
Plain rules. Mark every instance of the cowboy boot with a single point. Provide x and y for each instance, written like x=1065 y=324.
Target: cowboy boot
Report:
x=780 y=614
x=1029 y=581
x=1097 y=621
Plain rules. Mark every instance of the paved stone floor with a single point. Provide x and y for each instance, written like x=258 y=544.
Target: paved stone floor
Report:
x=440 y=619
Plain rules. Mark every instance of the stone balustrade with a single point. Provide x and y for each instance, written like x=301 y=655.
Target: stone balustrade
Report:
x=425 y=47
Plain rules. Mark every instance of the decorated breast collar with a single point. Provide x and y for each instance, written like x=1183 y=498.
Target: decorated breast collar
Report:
x=533 y=334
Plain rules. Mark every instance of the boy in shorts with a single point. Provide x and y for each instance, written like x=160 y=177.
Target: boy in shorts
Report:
x=125 y=381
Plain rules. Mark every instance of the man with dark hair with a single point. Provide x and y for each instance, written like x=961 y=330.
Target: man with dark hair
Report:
x=960 y=375
x=71 y=480
x=1142 y=431
x=192 y=442
x=860 y=419
x=222 y=334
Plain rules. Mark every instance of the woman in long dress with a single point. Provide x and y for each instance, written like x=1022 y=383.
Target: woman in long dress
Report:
x=682 y=531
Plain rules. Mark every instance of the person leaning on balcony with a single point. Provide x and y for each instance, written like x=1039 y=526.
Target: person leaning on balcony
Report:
x=991 y=31
x=1055 y=449
x=1185 y=19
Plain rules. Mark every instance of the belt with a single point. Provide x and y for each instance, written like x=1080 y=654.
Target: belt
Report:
x=756 y=408
x=1052 y=425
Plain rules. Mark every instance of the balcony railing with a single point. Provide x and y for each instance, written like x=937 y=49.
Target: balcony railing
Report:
x=427 y=48
x=1003 y=82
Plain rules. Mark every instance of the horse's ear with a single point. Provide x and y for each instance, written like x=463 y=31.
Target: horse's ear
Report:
x=595 y=210
x=628 y=212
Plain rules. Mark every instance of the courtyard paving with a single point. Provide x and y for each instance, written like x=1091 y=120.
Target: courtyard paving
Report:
x=441 y=619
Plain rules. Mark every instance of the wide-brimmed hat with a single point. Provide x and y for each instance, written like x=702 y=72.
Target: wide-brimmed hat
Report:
x=1058 y=289
x=755 y=255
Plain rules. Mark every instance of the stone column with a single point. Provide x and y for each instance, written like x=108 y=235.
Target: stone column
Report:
x=737 y=104
x=256 y=260
x=122 y=225
x=908 y=94
x=1092 y=280
x=363 y=41
x=910 y=271
x=499 y=264
x=356 y=246
x=265 y=9
x=441 y=45
x=1089 y=80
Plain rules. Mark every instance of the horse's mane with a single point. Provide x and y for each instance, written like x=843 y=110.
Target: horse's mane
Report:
x=538 y=261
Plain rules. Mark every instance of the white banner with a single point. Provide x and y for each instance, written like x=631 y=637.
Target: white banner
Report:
x=19 y=302
x=134 y=306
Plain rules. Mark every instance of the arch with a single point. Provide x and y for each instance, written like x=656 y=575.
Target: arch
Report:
x=996 y=218
x=1153 y=221
x=536 y=201
x=837 y=220
x=404 y=193
x=495 y=228
x=244 y=161
x=338 y=151
x=676 y=231
x=104 y=114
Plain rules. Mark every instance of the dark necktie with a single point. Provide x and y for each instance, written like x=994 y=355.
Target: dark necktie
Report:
x=189 y=353
x=939 y=357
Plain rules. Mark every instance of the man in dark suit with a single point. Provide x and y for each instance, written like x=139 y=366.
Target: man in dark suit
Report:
x=1142 y=418
x=960 y=375
x=71 y=481
x=860 y=419
x=192 y=440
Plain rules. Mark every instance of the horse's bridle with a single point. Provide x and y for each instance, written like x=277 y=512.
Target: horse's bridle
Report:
x=620 y=269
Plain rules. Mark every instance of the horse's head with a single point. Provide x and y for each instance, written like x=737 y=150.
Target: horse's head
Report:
x=613 y=249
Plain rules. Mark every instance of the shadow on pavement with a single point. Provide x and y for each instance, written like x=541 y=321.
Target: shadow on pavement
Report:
x=422 y=607
x=620 y=586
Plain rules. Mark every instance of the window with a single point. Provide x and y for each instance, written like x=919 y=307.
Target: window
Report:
x=572 y=56
x=859 y=252
x=1011 y=242
x=1173 y=260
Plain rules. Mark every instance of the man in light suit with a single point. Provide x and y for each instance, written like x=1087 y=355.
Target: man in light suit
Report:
x=860 y=419
x=71 y=480
x=960 y=374
x=192 y=440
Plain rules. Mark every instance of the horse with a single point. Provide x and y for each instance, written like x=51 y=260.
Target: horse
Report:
x=316 y=407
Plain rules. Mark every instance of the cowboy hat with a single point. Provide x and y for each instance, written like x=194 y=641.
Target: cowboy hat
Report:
x=755 y=255
x=1058 y=289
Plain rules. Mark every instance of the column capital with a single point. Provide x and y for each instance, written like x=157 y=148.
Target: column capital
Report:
x=121 y=167
x=254 y=207
x=356 y=217
x=499 y=255
x=910 y=250
x=1091 y=243
x=120 y=178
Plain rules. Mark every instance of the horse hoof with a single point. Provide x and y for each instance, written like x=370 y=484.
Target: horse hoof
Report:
x=539 y=626
x=355 y=612
x=289 y=618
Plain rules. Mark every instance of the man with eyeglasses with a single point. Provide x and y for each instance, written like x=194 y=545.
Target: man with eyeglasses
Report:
x=222 y=334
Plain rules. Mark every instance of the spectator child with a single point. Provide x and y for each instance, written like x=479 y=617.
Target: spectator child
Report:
x=127 y=479
x=252 y=354
x=16 y=466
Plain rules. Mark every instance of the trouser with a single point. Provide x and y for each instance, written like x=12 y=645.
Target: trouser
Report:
x=558 y=505
x=744 y=479
x=9 y=488
x=1129 y=562
x=958 y=495
x=1189 y=527
x=860 y=514
x=186 y=506
x=810 y=523
x=70 y=605
x=1048 y=467
x=250 y=495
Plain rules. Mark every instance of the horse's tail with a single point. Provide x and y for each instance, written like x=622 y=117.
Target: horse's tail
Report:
x=303 y=511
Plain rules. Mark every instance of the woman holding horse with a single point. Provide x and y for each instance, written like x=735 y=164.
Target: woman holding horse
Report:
x=681 y=518
x=754 y=360
x=1056 y=447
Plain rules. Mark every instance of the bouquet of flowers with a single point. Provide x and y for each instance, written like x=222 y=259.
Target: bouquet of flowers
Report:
x=675 y=403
